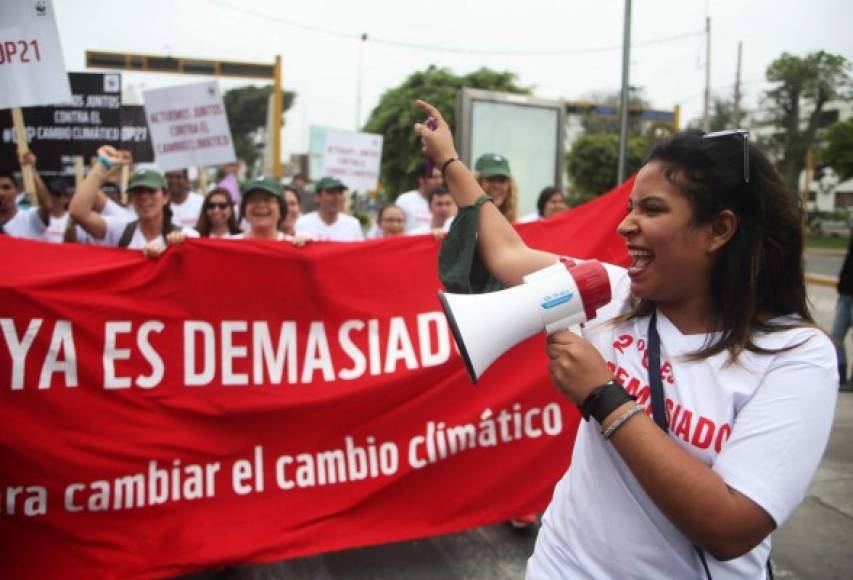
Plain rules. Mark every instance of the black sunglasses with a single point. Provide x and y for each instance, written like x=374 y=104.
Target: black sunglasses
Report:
x=219 y=205
x=741 y=134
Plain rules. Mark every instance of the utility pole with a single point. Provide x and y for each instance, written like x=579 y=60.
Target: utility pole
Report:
x=358 y=84
x=623 y=108
x=737 y=86
x=706 y=117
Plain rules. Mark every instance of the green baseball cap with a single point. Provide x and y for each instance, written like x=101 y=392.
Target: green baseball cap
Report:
x=262 y=183
x=146 y=178
x=492 y=164
x=331 y=183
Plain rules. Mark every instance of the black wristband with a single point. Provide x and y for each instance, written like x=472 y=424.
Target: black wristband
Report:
x=446 y=163
x=603 y=400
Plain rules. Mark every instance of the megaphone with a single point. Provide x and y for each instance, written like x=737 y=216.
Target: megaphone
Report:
x=551 y=299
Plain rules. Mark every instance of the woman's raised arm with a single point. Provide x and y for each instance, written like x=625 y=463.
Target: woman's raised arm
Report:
x=504 y=253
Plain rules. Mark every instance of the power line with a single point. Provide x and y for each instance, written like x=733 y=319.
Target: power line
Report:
x=445 y=49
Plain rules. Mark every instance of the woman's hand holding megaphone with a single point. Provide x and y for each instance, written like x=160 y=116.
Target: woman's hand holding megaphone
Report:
x=576 y=366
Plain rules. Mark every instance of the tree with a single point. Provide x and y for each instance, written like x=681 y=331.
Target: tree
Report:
x=247 y=118
x=593 y=160
x=795 y=105
x=593 y=123
x=396 y=113
x=721 y=115
x=837 y=150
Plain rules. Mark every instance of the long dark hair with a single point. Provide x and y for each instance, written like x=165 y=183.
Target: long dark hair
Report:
x=203 y=224
x=758 y=274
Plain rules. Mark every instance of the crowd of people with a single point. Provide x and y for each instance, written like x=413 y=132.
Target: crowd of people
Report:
x=162 y=208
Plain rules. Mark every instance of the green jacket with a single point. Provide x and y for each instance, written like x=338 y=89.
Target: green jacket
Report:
x=460 y=266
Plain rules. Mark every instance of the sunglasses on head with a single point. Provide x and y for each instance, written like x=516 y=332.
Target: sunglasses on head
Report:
x=741 y=134
x=218 y=205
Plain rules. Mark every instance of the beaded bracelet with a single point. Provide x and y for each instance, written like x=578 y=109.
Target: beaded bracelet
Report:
x=636 y=409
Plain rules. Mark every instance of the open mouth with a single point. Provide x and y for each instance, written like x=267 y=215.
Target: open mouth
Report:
x=640 y=260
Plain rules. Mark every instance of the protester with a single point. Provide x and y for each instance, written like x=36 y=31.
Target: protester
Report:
x=442 y=210
x=415 y=202
x=391 y=221
x=61 y=191
x=184 y=203
x=217 y=219
x=551 y=201
x=328 y=222
x=307 y=202
x=147 y=192
x=844 y=317
x=744 y=388
x=229 y=180
x=112 y=191
x=23 y=222
x=263 y=207
x=291 y=198
x=495 y=178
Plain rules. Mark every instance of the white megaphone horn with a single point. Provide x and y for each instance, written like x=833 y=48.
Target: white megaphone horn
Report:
x=554 y=298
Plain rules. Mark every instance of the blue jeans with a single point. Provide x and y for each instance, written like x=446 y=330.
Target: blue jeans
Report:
x=842 y=323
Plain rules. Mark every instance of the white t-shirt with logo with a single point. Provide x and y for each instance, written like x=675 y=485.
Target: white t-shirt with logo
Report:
x=26 y=223
x=761 y=424
x=416 y=208
x=186 y=214
x=344 y=229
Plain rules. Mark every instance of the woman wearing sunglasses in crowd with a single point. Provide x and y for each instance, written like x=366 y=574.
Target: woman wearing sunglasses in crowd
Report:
x=689 y=478
x=217 y=219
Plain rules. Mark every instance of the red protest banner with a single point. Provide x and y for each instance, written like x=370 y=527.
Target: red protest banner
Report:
x=252 y=402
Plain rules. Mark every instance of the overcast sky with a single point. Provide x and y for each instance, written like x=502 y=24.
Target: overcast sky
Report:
x=563 y=49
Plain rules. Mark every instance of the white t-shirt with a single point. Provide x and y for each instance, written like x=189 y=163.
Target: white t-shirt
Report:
x=26 y=223
x=279 y=236
x=761 y=424
x=416 y=209
x=186 y=214
x=427 y=229
x=111 y=209
x=531 y=217
x=55 y=232
x=115 y=229
x=345 y=228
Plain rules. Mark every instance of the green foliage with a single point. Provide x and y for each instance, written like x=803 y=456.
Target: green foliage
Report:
x=721 y=115
x=396 y=113
x=837 y=150
x=247 y=118
x=593 y=160
x=593 y=123
x=802 y=86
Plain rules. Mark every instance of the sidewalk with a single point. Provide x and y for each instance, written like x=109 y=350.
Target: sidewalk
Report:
x=815 y=542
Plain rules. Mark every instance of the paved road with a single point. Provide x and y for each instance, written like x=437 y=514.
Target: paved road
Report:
x=825 y=263
x=813 y=545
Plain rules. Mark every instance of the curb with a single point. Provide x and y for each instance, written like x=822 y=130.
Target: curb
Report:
x=821 y=280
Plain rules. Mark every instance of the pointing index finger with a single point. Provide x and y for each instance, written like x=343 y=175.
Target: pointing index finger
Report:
x=429 y=109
